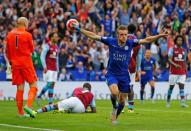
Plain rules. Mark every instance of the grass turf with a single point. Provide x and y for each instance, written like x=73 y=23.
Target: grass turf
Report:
x=147 y=117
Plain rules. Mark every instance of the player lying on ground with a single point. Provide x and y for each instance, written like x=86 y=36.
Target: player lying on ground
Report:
x=78 y=103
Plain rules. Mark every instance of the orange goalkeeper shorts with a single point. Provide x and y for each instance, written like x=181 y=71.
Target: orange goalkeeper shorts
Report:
x=20 y=75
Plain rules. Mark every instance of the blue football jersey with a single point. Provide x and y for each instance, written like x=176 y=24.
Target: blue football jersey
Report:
x=119 y=56
x=148 y=66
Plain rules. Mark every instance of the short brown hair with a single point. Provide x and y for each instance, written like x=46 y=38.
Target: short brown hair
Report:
x=121 y=27
x=87 y=85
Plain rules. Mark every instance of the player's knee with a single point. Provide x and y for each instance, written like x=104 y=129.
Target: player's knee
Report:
x=122 y=101
x=181 y=86
x=50 y=84
x=115 y=93
x=33 y=84
x=142 y=88
x=20 y=87
x=152 y=84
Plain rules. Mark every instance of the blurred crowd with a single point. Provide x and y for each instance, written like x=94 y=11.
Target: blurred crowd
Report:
x=81 y=58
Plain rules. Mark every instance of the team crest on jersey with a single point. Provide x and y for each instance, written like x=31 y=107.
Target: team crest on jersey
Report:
x=104 y=37
x=54 y=53
x=151 y=62
x=179 y=56
x=135 y=40
x=126 y=47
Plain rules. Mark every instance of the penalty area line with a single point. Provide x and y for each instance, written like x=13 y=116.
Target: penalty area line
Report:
x=25 y=127
x=154 y=110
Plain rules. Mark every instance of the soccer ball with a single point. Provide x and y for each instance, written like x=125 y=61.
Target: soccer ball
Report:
x=70 y=22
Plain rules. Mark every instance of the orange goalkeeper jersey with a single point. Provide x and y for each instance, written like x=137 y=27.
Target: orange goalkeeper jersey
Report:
x=19 y=48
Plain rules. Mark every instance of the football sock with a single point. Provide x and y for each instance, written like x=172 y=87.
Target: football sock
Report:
x=169 y=93
x=51 y=93
x=45 y=88
x=119 y=108
x=113 y=101
x=47 y=108
x=141 y=94
x=131 y=104
x=182 y=95
x=19 y=101
x=152 y=91
x=31 y=96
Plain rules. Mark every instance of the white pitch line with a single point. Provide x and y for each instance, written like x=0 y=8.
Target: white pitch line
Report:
x=25 y=127
x=164 y=111
x=151 y=110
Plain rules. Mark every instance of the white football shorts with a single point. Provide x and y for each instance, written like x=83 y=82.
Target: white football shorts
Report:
x=50 y=76
x=132 y=78
x=174 y=79
x=72 y=104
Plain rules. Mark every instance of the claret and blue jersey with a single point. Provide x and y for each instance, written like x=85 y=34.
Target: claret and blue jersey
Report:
x=119 y=58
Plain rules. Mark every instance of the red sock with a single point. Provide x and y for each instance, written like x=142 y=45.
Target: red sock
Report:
x=19 y=101
x=31 y=96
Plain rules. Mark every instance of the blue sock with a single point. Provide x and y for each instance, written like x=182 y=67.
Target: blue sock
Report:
x=113 y=101
x=182 y=95
x=141 y=94
x=45 y=88
x=51 y=94
x=169 y=94
x=131 y=104
x=152 y=91
x=119 y=109
x=47 y=108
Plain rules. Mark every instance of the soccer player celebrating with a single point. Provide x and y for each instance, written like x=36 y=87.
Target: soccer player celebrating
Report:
x=49 y=58
x=148 y=65
x=177 y=60
x=117 y=76
x=19 y=48
x=78 y=103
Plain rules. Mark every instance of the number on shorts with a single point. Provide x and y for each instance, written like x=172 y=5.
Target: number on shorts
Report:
x=16 y=41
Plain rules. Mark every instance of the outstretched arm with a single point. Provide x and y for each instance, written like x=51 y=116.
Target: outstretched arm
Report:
x=87 y=33
x=45 y=49
x=151 y=39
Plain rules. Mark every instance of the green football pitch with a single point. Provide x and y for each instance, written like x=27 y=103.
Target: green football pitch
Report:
x=147 y=117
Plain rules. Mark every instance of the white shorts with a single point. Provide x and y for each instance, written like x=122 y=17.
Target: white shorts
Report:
x=72 y=104
x=174 y=79
x=132 y=78
x=50 y=76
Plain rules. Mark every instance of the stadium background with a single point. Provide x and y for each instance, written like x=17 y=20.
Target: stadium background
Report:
x=81 y=59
